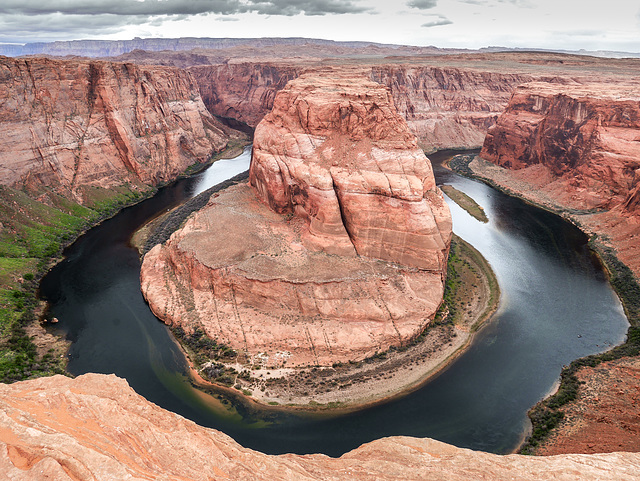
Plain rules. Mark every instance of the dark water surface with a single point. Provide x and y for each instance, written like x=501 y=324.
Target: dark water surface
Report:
x=556 y=306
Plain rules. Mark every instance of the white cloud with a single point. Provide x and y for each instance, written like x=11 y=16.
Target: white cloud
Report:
x=437 y=20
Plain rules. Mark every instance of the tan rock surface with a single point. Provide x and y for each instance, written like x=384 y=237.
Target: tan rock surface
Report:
x=95 y=427
x=72 y=124
x=350 y=261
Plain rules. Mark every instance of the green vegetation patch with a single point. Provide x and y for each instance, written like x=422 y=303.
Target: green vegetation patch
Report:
x=466 y=202
x=546 y=415
x=32 y=232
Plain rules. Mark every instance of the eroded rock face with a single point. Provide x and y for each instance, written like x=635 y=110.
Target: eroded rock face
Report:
x=335 y=152
x=578 y=145
x=97 y=427
x=588 y=137
x=344 y=256
x=68 y=125
x=448 y=107
x=445 y=107
x=242 y=91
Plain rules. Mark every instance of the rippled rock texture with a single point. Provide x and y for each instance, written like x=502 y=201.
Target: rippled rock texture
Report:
x=72 y=125
x=97 y=427
x=344 y=257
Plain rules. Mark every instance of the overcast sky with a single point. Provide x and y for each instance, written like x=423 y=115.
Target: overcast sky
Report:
x=557 y=24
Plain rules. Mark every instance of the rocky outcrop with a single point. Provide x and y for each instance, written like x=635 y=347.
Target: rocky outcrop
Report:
x=576 y=147
x=71 y=125
x=586 y=137
x=335 y=152
x=97 y=427
x=345 y=256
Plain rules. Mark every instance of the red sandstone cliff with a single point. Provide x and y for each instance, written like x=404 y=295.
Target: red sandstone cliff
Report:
x=576 y=147
x=97 y=427
x=68 y=125
x=242 y=91
x=445 y=107
x=345 y=256
x=448 y=107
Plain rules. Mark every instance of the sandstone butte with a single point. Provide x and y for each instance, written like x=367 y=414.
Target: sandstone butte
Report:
x=337 y=252
x=95 y=427
x=72 y=126
x=576 y=148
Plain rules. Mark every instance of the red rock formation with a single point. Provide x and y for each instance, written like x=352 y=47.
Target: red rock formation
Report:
x=445 y=107
x=97 y=427
x=576 y=147
x=588 y=137
x=605 y=417
x=448 y=107
x=242 y=91
x=73 y=124
x=350 y=261
x=335 y=152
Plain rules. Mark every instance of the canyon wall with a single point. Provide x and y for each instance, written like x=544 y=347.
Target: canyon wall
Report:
x=576 y=147
x=338 y=252
x=97 y=427
x=71 y=125
x=448 y=107
x=445 y=107
x=242 y=91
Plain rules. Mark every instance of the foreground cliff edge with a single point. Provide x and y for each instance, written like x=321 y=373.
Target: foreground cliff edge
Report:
x=97 y=427
x=336 y=252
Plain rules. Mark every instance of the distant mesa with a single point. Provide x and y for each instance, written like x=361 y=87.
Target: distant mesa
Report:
x=338 y=248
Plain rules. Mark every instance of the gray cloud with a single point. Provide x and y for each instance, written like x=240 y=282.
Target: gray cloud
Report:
x=14 y=28
x=308 y=7
x=437 y=21
x=149 y=8
x=422 y=4
x=50 y=20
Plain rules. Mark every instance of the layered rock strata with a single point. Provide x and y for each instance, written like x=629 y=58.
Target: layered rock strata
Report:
x=577 y=147
x=335 y=152
x=68 y=125
x=97 y=427
x=344 y=257
x=445 y=107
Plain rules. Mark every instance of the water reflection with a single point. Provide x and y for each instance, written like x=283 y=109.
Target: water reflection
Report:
x=556 y=307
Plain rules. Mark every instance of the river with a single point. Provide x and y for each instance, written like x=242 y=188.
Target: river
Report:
x=556 y=306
